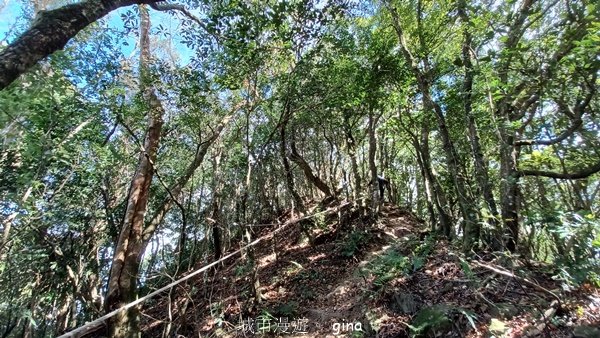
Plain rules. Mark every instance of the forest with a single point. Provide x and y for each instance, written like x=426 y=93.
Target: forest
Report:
x=299 y=168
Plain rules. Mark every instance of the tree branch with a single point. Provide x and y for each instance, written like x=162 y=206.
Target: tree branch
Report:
x=563 y=136
x=587 y=172
x=176 y=188
x=181 y=8
x=50 y=32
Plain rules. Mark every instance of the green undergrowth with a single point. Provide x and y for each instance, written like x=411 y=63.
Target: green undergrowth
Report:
x=354 y=241
x=392 y=263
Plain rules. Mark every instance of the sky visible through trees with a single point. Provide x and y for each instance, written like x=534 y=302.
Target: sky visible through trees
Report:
x=394 y=139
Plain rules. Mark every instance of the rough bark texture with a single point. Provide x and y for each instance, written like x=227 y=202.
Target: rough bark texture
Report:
x=50 y=32
x=122 y=284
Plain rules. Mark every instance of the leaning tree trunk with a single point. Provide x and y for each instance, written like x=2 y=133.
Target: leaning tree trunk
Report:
x=434 y=192
x=177 y=188
x=122 y=283
x=50 y=32
x=308 y=172
x=439 y=199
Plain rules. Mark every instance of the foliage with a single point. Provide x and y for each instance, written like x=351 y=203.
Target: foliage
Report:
x=390 y=265
x=431 y=319
x=579 y=260
x=353 y=242
x=312 y=73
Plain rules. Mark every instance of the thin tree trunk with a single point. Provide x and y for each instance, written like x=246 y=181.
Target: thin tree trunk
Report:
x=289 y=175
x=29 y=325
x=440 y=200
x=122 y=284
x=215 y=206
x=427 y=187
x=467 y=207
x=375 y=201
x=509 y=189
x=250 y=255
x=248 y=220
x=509 y=152
x=351 y=148
x=176 y=189
x=481 y=169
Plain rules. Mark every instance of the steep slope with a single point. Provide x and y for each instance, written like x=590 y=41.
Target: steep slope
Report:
x=389 y=279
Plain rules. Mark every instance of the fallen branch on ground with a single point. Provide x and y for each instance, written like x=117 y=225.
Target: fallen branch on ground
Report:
x=506 y=273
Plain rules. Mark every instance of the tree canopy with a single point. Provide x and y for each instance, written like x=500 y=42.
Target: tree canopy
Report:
x=143 y=139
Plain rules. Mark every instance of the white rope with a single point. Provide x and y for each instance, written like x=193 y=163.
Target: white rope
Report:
x=90 y=326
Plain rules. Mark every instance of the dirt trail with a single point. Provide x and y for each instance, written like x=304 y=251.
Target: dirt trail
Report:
x=378 y=278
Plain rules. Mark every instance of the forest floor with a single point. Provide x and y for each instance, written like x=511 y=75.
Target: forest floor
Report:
x=386 y=280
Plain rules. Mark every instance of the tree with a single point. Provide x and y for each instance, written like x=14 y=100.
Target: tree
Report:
x=424 y=77
x=117 y=177
x=122 y=285
x=50 y=32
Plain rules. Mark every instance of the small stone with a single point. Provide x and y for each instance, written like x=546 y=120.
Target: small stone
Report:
x=497 y=327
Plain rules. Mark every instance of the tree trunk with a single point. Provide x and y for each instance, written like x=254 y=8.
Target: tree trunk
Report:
x=375 y=202
x=215 y=207
x=467 y=207
x=247 y=220
x=509 y=177
x=122 y=283
x=50 y=32
x=289 y=175
x=481 y=169
x=29 y=325
x=176 y=189
x=216 y=231
x=509 y=190
x=351 y=148
x=439 y=199
x=310 y=176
